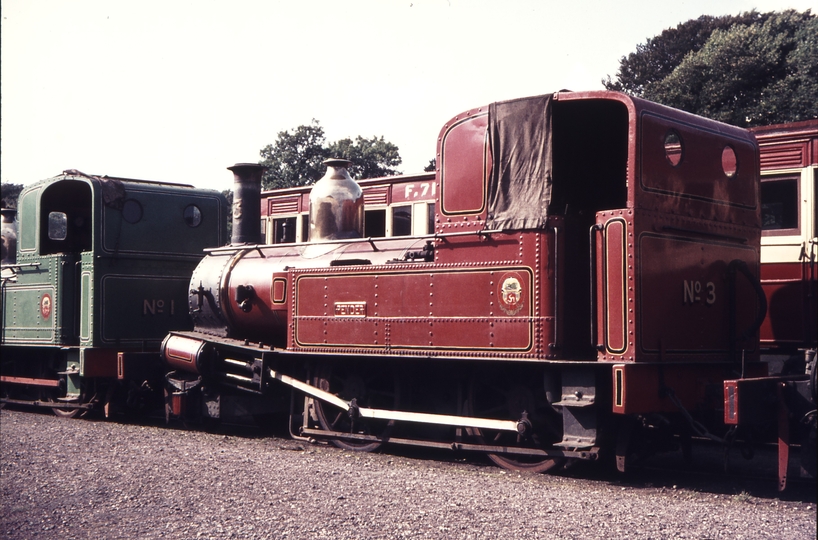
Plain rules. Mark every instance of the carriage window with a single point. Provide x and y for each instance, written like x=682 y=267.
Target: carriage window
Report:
x=375 y=223
x=779 y=204
x=305 y=227
x=431 y=225
x=673 y=147
x=401 y=221
x=284 y=230
x=57 y=226
x=193 y=216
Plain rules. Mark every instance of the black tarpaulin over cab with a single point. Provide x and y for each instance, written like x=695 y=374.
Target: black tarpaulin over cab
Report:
x=519 y=190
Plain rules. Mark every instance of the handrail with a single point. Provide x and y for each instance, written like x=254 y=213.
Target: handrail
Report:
x=21 y=265
x=556 y=344
x=369 y=239
x=592 y=247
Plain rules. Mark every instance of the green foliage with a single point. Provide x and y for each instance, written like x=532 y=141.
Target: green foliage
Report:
x=228 y=194
x=761 y=69
x=371 y=158
x=658 y=57
x=296 y=158
x=10 y=194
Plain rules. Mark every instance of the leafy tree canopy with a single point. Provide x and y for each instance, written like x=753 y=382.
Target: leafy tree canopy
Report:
x=10 y=194
x=753 y=69
x=296 y=158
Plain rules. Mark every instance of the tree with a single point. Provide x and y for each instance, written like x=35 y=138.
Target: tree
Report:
x=371 y=158
x=296 y=158
x=658 y=57
x=10 y=194
x=228 y=194
x=754 y=69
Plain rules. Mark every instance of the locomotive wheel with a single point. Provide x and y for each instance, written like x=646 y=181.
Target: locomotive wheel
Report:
x=371 y=386
x=500 y=395
x=54 y=395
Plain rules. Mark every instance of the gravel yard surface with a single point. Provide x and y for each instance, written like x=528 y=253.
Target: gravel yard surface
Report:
x=96 y=479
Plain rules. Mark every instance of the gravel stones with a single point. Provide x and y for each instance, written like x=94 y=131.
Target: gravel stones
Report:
x=95 y=479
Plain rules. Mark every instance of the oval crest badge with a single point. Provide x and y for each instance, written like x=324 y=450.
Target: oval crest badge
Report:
x=510 y=293
x=45 y=306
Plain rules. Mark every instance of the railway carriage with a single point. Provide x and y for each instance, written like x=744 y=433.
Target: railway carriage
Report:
x=393 y=206
x=786 y=398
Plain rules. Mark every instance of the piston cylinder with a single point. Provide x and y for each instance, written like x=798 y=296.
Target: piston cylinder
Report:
x=187 y=354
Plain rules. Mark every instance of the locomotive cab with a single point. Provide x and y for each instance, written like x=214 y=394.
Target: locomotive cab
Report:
x=66 y=220
x=632 y=191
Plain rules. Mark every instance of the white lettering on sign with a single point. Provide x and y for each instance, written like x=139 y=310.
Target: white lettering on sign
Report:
x=694 y=292
x=154 y=306
x=350 y=309
x=423 y=190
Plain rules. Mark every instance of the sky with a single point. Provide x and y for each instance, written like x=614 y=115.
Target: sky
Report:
x=178 y=90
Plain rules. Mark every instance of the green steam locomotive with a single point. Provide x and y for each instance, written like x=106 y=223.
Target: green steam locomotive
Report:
x=94 y=276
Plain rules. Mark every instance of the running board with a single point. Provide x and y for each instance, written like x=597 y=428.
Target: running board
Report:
x=591 y=454
x=49 y=404
x=28 y=381
x=515 y=426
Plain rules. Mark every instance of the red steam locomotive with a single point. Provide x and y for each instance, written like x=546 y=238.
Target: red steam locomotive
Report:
x=580 y=277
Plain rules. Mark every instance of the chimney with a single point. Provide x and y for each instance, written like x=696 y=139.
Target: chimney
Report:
x=246 y=203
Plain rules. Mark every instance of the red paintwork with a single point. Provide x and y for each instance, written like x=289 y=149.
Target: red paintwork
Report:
x=788 y=146
x=377 y=191
x=648 y=271
x=408 y=309
x=184 y=353
x=48 y=383
x=791 y=305
x=697 y=187
x=638 y=388
x=790 y=287
x=99 y=363
x=465 y=165
x=680 y=224
x=528 y=295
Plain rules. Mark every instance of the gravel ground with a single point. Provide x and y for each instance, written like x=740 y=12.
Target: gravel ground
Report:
x=95 y=479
